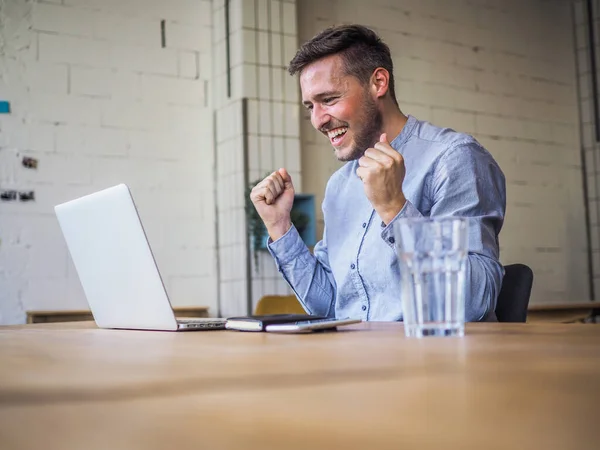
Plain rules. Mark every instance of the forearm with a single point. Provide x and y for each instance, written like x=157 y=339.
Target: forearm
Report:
x=278 y=229
x=482 y=285
x=309 y=277
x=483 y=274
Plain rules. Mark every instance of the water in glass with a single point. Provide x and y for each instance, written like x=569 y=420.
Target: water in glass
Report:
x=432 y=253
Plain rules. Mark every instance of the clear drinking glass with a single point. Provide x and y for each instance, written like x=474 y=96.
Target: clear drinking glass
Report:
x=432 y=253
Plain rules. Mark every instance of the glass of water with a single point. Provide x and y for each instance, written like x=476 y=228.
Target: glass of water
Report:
x=432 y=253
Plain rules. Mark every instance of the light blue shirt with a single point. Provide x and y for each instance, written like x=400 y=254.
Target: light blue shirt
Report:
x=354 y=271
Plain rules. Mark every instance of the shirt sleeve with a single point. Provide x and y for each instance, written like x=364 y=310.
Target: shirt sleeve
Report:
x=467 y=182
x=408 y=210
x=309 y=275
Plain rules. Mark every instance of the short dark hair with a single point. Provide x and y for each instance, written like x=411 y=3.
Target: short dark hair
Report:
x=361 y=49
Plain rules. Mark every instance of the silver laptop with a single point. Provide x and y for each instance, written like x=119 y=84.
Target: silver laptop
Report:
x=115 y=264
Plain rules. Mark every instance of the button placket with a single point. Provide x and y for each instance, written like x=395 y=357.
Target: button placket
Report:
x=354 y=274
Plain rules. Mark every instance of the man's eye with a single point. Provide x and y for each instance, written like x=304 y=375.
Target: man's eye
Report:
x=309 y=107
x=328 y=99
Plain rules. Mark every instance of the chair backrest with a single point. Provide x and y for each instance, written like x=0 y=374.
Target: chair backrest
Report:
x=279 y=304
x=514 y=296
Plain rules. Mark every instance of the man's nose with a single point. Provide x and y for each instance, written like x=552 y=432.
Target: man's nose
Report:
x=319 y=117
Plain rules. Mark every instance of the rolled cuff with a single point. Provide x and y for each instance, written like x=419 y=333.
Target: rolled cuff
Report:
x=287 y=248
x=408 y=210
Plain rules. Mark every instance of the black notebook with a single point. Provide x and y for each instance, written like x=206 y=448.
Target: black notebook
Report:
x=258 y=323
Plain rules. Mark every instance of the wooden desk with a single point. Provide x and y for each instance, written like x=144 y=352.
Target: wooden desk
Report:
x=503 y=386
x=85 y=314
x=563 y=312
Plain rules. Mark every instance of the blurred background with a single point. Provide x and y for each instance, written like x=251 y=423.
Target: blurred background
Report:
x=189 y=102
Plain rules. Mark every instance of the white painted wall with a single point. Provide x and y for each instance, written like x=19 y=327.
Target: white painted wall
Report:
x=97 y=101
x=504 y=71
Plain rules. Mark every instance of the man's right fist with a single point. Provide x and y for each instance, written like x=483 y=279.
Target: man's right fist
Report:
x=273 y=199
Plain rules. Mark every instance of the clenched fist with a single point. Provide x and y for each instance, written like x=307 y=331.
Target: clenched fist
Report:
x=382 y=171
x=273 y=199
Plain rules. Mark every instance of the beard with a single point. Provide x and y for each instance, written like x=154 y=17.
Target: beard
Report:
x=367 y=129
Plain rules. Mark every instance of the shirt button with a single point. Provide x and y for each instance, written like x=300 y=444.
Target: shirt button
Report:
x=365 y=225
x=364 y=308
x=352 y=266
x=382 y=224
x=391 y=239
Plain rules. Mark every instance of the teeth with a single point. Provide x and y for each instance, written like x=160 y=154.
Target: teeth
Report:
x=336 y=132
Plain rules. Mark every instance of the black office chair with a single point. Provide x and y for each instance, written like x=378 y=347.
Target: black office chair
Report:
x=514 y=296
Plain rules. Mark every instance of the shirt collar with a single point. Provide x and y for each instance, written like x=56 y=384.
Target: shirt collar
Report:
x=397 y=142
x=407 y=130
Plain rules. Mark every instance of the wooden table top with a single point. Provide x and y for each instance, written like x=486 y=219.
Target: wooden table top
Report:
x=564 y=306
x=501 y=386
x=563 y=312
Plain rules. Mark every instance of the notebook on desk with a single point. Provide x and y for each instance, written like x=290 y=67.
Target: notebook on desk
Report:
x=115 y=264
x=260 y=322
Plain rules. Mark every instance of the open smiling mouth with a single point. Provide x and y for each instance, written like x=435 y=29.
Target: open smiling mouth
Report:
x=336 y=136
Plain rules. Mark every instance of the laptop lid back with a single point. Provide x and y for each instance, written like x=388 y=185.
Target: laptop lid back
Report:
x=114 y=261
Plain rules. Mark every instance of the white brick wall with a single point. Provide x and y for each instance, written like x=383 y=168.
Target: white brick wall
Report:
x=505 y=72
x=588 y=121
x=261 y=33
x=97 y=101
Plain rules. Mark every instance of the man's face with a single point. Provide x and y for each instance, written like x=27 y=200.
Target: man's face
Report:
x=341 y=107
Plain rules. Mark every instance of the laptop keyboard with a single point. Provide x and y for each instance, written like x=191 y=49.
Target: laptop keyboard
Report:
x=196 y=320
x=202 y=322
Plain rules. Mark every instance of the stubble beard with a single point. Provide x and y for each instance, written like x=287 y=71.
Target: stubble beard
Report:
x=370 y=122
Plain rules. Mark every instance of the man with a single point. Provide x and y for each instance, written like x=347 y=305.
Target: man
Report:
x=397 y=166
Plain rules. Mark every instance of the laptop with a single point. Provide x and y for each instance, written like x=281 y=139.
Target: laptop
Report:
x=115 y=264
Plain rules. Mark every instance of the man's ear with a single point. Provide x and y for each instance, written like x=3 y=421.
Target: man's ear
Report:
x=380 y=82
